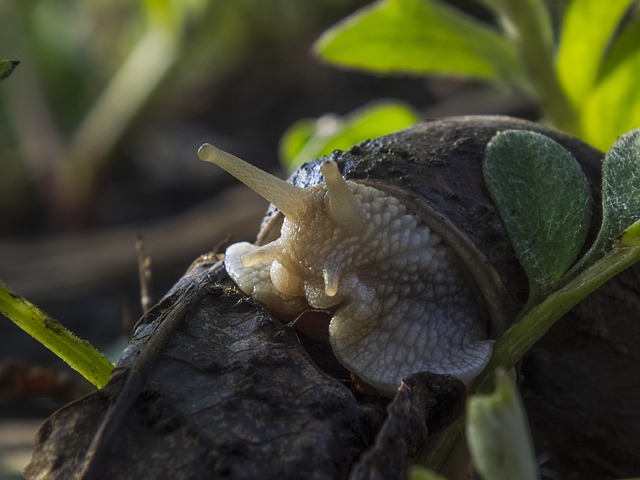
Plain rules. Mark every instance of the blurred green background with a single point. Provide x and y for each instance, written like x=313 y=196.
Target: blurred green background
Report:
x=121 y=91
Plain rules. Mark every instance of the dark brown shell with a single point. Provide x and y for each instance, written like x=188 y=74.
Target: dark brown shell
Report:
x=581 y=382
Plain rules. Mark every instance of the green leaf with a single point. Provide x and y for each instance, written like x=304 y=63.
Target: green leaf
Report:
x=420 y=37
x=623 y=47
x=7 y=67
x=498 y=435
x=298 y=136
x=613 y=108
x=544 y=200
x=620 y=193
x=78 y=354
x=310 y=139
x=587 y=28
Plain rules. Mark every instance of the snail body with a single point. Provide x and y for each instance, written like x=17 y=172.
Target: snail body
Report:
x=406 y=252
x=400 y=302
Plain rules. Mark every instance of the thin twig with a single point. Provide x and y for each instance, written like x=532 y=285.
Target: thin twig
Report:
x=144 y=274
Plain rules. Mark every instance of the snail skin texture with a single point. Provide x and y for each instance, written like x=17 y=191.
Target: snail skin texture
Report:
x=400 y=303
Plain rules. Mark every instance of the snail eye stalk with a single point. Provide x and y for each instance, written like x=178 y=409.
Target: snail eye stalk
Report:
x=290 y=200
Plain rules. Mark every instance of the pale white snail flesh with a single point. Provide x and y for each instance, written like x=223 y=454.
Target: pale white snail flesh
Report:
x=400 y=303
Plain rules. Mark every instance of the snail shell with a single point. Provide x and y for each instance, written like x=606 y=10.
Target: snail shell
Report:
x=398 y=239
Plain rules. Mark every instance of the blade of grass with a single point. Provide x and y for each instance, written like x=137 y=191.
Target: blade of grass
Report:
x=106 y=122
x=78 y=354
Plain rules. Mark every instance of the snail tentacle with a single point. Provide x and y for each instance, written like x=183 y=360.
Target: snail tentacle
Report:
x=289 y=199
x=256 y=281
x=343 y=206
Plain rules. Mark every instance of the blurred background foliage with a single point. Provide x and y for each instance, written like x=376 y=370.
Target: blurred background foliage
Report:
x=116 y=95
x=95 y=74
x=99 y=128
x=578 y=61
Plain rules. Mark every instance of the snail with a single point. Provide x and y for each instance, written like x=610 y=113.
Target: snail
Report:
x=390 y=250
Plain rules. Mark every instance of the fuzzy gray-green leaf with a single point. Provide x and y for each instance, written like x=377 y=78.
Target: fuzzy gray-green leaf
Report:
x=544 y=200
x=620 y=190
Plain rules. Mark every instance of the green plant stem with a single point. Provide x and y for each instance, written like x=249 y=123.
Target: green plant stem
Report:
x=523 y=334
x=518 y=339
x=78 y=354
x=533 y=34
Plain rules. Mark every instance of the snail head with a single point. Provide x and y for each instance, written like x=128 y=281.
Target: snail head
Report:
x=398 y=300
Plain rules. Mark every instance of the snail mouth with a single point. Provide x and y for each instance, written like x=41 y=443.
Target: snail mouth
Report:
x=311 y=328
x=313 y=323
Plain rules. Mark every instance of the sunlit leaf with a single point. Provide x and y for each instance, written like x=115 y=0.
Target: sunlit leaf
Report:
x=296 y=137
x=419 y=37
x=613 y=108
x=586 y=31
x=544 y=200
x=309 y=139
x=7 y=67
x=498 y=435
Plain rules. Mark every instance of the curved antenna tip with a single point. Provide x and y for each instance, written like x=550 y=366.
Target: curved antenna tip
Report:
x=290 y=199
x=205 y=151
